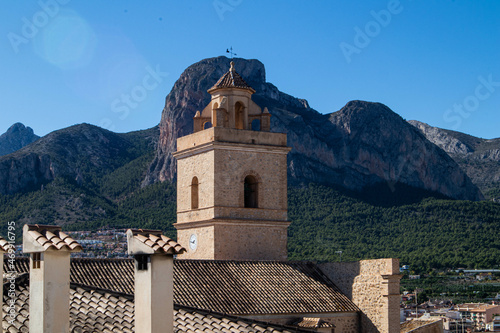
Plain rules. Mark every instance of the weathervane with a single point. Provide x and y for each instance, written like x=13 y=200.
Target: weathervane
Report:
x=230 y=51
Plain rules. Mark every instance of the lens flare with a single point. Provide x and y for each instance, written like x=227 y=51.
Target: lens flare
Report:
x=67 y=42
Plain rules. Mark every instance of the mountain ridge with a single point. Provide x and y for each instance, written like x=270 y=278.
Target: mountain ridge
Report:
x=364 y=145
x=325 y=149
x=76 y=152
x=479 y=158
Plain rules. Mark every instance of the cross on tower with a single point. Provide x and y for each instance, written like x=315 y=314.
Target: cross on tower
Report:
x=230 y=51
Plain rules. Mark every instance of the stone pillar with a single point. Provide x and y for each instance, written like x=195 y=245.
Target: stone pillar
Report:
x=373 y=285
x=197 y=122
x=392 y=297
x=154 y=265
x=265 y=121
x=49 y=277
x=219 y=117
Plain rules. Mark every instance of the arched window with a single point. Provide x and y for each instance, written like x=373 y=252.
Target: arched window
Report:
x=194 y=193
x=207 y=125
x=238 y=115
x=251 y=192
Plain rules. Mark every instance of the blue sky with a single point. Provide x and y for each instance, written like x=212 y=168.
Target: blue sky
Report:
x=65 y=62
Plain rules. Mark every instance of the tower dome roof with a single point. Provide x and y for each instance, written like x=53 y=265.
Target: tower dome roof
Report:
x=231 y=80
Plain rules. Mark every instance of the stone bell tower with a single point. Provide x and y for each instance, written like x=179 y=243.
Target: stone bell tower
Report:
x=232 y=179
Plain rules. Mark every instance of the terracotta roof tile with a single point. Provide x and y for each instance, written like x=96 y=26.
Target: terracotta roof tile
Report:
x=94 y=310
x=231 y=80
x=4 y=245
x=156 y=241
x=235 y=287
x=308 y=322
x=52 y=238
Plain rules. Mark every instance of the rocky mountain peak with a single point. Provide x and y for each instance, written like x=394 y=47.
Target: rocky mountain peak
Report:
x=16 y=137
x=361 y=145
x=189 y=95
x=362 y=116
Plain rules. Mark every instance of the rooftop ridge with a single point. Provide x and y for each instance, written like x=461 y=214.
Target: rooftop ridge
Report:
x=102 y=290
x=233 y=317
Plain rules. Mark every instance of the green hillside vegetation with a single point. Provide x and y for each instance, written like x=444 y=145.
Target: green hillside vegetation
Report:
x=433 y=233
x=424 y=232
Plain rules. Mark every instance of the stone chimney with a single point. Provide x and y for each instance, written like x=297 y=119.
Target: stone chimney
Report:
x=50 y=250
x=154 y=288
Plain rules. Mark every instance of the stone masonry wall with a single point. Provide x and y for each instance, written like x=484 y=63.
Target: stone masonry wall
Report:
x=373 y=285
x=202 y=167
x=233 y=165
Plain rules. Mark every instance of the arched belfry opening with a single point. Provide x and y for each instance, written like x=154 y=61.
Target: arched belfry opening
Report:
x=251 y=192
x=239 y=115
x=194 y=193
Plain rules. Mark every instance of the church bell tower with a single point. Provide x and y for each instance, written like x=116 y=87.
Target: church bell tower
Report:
x=232 y=179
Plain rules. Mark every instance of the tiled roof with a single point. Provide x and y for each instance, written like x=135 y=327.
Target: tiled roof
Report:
x=257 y=287
x=4 y=245
x=21 y=265
x=93 y=310
x=112 y=274
x=157 y=242
x=231 y=80
x=236 y=287
x=308 y=322
x=52 y=238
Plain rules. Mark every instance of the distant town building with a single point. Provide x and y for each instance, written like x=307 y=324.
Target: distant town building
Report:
x=479 y=313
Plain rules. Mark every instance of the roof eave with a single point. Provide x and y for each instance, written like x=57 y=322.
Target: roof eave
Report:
x=214 y=89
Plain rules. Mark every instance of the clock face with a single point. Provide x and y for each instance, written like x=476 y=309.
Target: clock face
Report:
x=193 y=242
